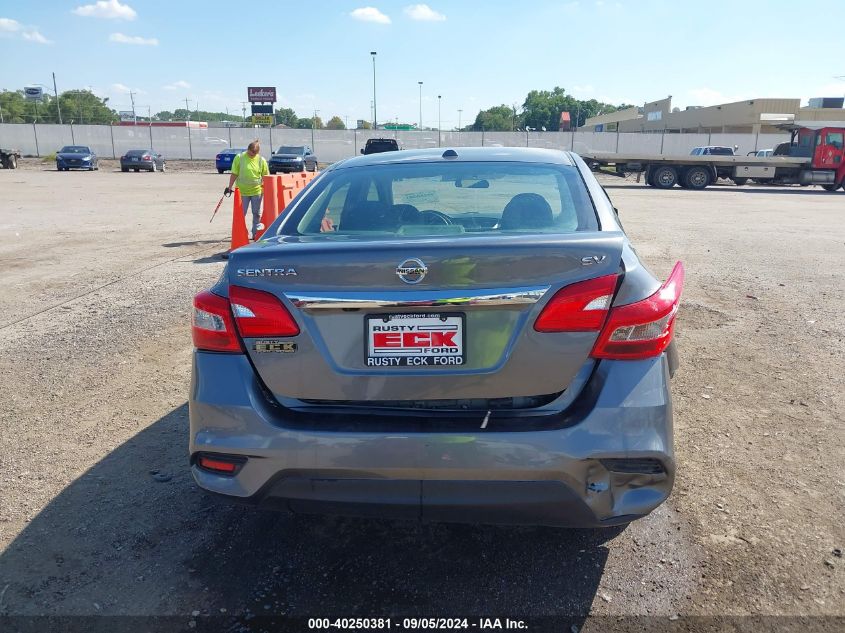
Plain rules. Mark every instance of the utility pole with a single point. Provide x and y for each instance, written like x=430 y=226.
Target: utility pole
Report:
x=421 y=84
x=58 y=105
x=313 y=125
x=187 y=108
x=438 y=120
x=243 y=111
x=375 y=112
x=132 y=99
x=459 y=120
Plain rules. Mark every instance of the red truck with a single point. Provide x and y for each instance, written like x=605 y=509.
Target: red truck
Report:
x=815 y=156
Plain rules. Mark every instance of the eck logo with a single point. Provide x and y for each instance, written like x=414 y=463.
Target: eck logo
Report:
x=415 y=340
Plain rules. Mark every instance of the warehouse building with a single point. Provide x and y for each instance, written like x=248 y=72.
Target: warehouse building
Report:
x=755 y=116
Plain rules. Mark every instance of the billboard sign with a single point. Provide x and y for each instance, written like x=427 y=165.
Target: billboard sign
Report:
x=126 y=115
x=261 y=94
x=33 y=93
x=262 y=109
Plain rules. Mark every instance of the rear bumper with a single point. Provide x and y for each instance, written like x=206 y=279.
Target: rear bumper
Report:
x=555 y=474
x=145 y=166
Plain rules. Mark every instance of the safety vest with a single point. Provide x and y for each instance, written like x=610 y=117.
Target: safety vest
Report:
x=245 y=182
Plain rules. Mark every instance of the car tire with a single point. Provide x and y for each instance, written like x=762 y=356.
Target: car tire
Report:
x=220 y=171
x=154 y=167
x=135 y=169
x=697 y=177
x=665 y=177
x=124 y=169
x=163 y=166
x=739 y=182
x=831 y=187
x=313 y=168
x=272 y=172
x=12 y=162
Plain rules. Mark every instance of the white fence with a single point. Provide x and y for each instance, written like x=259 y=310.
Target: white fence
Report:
x=332 y=145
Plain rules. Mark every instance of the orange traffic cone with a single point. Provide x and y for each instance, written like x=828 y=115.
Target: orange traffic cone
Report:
x=271 y=204
x=240 y=236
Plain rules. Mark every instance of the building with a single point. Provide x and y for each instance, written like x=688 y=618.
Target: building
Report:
x=753 y=116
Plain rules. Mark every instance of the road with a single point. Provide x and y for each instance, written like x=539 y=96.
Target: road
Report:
x=99 y=515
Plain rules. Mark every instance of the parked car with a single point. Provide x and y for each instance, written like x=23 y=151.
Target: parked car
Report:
x=290 y=158
x=214 y=140
x=223 y=160
x=717 y=150
x=462 y=335
x=762 y=153
x=76 y=157
x=379 y=145
x=138 y=159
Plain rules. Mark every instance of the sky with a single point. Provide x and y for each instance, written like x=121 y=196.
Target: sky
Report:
x=474 y=54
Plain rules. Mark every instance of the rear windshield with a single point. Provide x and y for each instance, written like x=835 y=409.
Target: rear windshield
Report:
x=136 y=152
x=445 y=199
x=375 y=147
x=74 y=149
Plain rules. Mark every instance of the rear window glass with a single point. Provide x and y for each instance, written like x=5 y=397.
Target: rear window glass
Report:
x=136 y=152
x=375 y=147
x=445 y=199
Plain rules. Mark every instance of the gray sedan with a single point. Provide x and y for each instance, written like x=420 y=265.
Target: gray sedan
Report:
x=142 y=160
x=461 y=335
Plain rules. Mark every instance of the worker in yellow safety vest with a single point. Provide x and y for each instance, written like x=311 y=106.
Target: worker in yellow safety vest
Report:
x=249 y=169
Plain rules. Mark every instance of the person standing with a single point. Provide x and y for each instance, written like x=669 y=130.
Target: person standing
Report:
x=248 y=170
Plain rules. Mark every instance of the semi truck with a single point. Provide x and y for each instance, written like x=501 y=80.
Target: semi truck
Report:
x=816 y=156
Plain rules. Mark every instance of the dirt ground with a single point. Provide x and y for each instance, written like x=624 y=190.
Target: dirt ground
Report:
x=99 y=515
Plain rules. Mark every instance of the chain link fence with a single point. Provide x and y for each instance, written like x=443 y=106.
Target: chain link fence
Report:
x=109 y=141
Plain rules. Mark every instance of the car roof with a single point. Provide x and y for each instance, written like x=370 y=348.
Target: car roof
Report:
x=463 y=154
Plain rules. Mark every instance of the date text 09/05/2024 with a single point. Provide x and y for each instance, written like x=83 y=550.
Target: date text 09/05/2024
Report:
x=415 y=624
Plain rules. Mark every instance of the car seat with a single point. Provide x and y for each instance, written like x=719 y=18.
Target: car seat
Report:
x=527 y=211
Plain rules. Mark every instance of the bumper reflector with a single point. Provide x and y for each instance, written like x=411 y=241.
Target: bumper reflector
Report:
x=221 y=464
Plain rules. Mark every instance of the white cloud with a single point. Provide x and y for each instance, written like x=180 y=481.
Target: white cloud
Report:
x=10 y=26
x=370 y=14
x=177 y=85
x=28 y=33
x=108 y=9
x=424 y=13
x=34 y=36
x=120 y=38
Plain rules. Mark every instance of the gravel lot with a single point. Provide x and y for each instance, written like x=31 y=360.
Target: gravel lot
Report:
x=98 y=270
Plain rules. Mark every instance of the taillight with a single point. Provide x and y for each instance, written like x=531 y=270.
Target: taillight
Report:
x=212 y=327
x=579 y=307
x=259 y=313
x=642 y=329
x=148 y=158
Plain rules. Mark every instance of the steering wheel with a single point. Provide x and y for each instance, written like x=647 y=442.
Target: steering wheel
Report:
x=432 y=217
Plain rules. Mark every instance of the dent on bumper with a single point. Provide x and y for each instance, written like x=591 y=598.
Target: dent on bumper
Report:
x=551 y=476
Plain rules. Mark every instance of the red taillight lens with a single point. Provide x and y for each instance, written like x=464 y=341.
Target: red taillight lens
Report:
x=223 y=464
x=148 y=158
x=643 y=329
x=579 y=307
x=259 y=313
x=212 y=327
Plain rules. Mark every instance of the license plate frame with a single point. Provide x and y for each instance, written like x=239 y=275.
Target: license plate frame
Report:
x=425 y=355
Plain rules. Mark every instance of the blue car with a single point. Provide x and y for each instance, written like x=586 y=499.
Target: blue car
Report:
x=76 y=157
x=223 y=160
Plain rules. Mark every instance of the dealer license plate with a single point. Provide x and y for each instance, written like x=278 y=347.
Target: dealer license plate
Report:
x=415 y=340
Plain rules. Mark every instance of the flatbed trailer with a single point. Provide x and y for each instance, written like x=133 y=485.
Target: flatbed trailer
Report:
x=822 y=163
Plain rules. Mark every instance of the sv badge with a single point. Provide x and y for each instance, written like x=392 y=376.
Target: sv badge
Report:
x=593 y=259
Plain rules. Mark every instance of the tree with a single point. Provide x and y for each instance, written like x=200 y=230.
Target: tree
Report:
x=542 y=108
x=496 y=119
x=335 y=123
x=286 y=116
x=306 y=124
x=366 y=125
x=79 y=106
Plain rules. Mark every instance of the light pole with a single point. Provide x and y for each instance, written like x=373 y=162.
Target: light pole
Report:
x=313 y=125
x=375 y=112
x=420 y=83
x=58 y=105
x=459 y=120
x=438 y=120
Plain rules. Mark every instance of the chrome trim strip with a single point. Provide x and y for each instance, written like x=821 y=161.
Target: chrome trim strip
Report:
x=418 y=299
